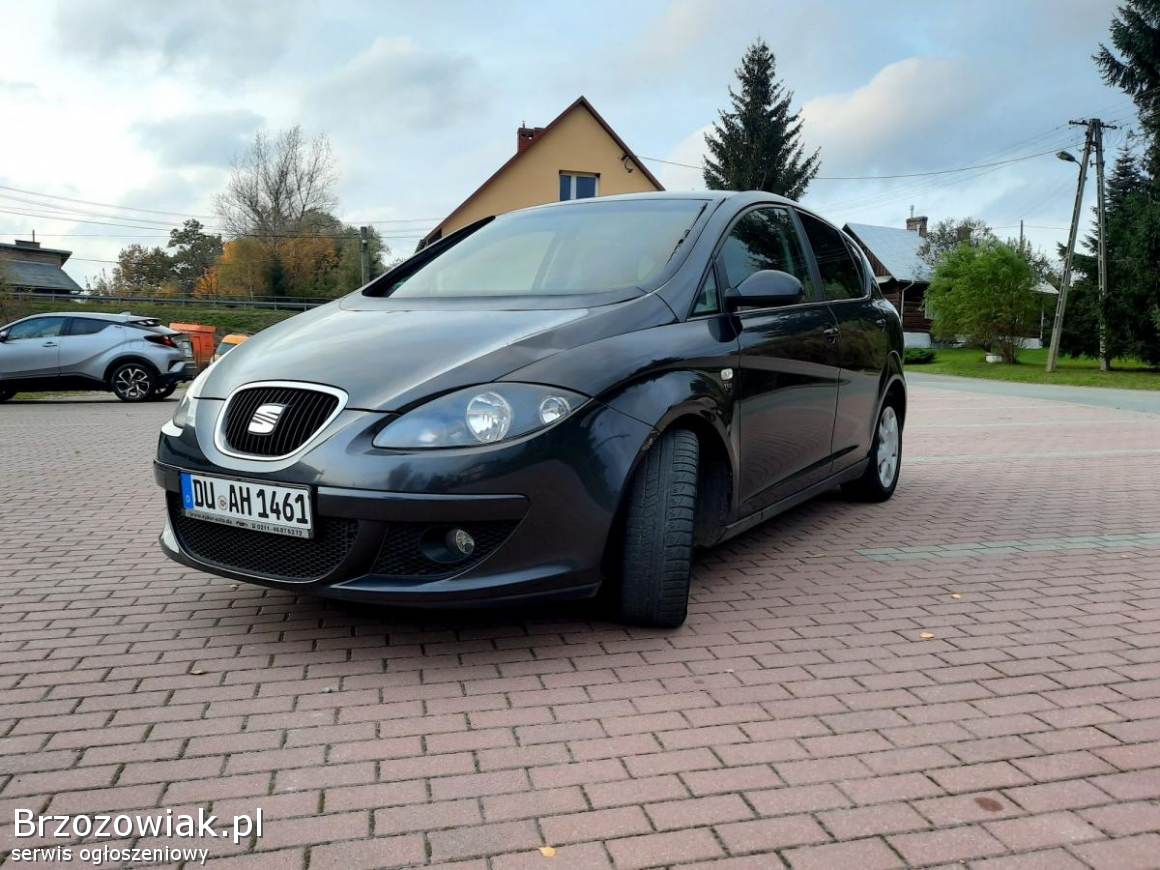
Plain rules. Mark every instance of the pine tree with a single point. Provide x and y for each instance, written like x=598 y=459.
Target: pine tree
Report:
x=1133 y=290
x=757 y=146
x=1081 y=328
x=1136 y=71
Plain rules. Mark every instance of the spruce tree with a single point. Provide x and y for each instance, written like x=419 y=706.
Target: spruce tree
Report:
x=1136 y=69
x=1126 y=186
x=757 y=146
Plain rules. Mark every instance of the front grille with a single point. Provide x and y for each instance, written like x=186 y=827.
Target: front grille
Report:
x=305 y=411
x=278 y=557
x=401 y=553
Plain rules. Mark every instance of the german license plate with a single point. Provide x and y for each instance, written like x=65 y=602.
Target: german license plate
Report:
x=280 y=510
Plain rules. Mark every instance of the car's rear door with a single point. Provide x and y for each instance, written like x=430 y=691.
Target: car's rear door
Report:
x=788 y=382
x=32 y=348
x=863 y=342
x=83 y=342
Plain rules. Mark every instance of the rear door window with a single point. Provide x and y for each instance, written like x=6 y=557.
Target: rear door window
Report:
x=841 y=278
x=85 y=326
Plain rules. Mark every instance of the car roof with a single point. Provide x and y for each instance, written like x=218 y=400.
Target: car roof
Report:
x=739 y=198
x=123 y=317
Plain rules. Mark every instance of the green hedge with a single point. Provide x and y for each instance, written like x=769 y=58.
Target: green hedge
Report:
x=917 y=356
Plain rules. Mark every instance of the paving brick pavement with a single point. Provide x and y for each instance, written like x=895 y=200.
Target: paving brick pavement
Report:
x=966 y=675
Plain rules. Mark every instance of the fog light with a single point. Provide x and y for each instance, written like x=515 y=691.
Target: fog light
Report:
x=460 y=541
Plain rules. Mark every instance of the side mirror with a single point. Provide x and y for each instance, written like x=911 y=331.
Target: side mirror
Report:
x=3 y=335
x=766 y=289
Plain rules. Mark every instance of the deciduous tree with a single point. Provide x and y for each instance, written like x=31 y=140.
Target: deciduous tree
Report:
x=277 y=183
x=194 y=254
x=141 y=270
x=949 y=233
x=986 y=293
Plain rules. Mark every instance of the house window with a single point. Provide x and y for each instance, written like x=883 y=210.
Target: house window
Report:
x=578 y=185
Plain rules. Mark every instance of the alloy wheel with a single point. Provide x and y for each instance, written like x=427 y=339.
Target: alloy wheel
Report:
x=132 y=382
x=888 y=447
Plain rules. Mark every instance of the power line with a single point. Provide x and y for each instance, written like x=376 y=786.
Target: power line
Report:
x=885 y=177
x=113 y=206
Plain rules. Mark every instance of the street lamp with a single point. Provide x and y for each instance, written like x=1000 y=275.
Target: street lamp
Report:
x=1066 y=156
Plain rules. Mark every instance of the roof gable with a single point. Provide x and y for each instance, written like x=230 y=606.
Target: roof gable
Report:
x=896 y=249
x=581 y=103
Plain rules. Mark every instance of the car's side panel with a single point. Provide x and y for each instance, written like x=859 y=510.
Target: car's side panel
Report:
x=82 y=354
x=33 y=356
x=786 y=398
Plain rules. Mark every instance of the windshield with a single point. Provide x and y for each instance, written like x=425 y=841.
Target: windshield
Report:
x=225 y=347
x=585 y=248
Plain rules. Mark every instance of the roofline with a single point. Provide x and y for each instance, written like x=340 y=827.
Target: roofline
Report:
x=849 y=230
x=11 y=246
x=578 y=102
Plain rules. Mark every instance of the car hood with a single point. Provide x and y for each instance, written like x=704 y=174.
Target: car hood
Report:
x=387 y=357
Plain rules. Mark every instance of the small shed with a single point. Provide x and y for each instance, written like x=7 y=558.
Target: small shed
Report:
x=29 y=267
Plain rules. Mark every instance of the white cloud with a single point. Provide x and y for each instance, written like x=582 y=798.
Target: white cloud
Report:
x=397 y=83
x=898 y=118
x=199 y=138
x=220 y=41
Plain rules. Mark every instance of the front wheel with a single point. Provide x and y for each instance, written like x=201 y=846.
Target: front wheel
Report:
x=658 y=534
x=133 y=382
x=880 y=479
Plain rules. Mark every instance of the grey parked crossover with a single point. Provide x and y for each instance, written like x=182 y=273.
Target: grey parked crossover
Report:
x=135 y=357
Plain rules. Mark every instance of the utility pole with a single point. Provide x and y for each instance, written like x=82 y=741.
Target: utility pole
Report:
x=1065 y=280
x=365 y=253
x=1102 y=250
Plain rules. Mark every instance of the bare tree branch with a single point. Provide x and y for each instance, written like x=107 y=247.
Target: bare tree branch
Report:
x=277 y=183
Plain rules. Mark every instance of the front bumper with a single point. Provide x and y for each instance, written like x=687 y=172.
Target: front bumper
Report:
x=541 y=509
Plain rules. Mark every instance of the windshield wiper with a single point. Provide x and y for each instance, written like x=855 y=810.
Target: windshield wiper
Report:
x=688 y=230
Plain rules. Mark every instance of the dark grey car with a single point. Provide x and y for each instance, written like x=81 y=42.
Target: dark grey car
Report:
x=547 y=404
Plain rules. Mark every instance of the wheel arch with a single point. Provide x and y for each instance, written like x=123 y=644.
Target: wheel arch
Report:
x=128 y=358
x=709 y=420
x=893 y=386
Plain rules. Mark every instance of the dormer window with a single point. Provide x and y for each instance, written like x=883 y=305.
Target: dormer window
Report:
x=579 y=185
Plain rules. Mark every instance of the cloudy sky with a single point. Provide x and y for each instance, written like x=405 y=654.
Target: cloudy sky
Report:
x=143 y=105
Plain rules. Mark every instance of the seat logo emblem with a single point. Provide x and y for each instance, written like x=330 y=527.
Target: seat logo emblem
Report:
x=265 y=419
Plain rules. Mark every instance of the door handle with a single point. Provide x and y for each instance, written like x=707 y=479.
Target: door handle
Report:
x=831 y=334
x=49 y=344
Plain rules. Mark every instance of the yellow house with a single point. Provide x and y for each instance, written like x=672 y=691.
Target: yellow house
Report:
x=576 y=156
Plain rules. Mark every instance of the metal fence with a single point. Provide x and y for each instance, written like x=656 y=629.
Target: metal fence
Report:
x=266 y=302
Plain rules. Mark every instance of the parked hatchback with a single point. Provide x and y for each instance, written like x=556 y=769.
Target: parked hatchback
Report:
x=134 y=357
x=543 y=405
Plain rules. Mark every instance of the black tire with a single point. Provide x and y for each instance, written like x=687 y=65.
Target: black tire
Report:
x=659 y=522
x=133 y=381
x=6 y=393
x=162 y=393
x=872 y=486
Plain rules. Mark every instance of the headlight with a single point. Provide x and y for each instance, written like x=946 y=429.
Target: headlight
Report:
x=480 y=415
x=186 y=411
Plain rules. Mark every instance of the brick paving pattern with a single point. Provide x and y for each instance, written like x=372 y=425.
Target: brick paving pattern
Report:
x=968 y=675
